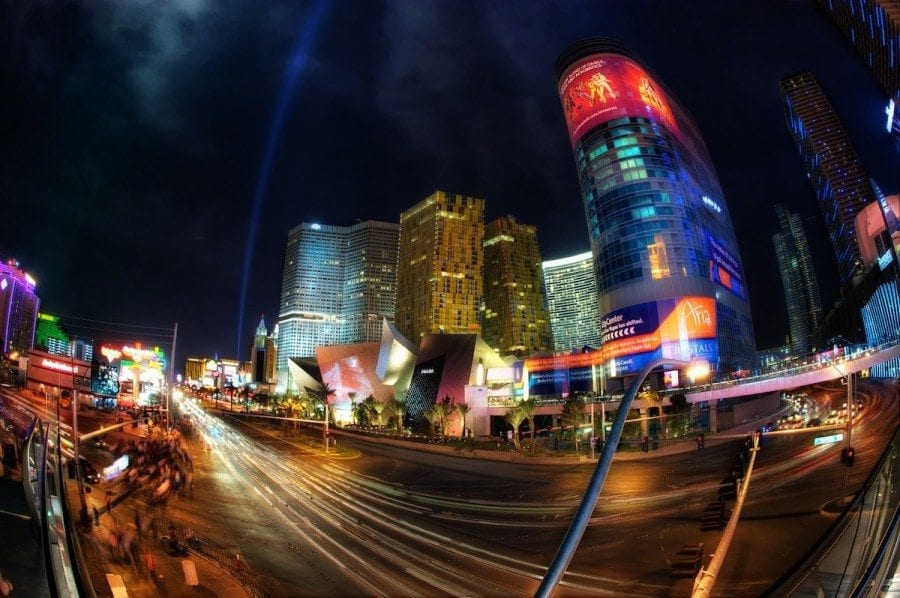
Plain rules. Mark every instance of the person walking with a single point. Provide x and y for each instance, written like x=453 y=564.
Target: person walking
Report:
x=96 y=515
x=151 y=564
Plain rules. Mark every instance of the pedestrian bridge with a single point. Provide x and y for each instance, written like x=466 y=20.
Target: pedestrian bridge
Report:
x=805 y=375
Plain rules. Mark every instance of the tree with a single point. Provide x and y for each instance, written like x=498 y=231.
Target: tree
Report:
x=680 y=414
x=573 y=412
x=361 y=414
x=398 y=408
x=441 y=411
x=378 y=411
x=653 y=397
x=514 y=417
x=461 y=410
x=527 y=406
x=573 y=416
x=322 y=395
x=431 y=418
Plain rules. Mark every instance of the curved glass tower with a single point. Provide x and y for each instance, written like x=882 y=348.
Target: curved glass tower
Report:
x=669 y=273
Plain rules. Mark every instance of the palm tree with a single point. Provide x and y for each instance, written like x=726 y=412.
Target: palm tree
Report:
x=514 y=417
x=527 y=406
x=431 y=418
x=398 y=408
x=378 y=409
x=461 y=410
x=322 y=395
x=442 y=412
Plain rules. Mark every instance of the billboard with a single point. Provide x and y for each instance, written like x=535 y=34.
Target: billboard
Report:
x=681 y=328
x=724 y=268
x=603 y=87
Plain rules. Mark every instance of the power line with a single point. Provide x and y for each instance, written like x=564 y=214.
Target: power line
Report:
x=136 y=333
x=115 y=323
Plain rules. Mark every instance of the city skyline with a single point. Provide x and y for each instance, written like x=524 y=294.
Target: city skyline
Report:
x=140 y=167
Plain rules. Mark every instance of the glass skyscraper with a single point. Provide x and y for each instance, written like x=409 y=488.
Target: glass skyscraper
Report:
x=873 y=27
x=338 y=282
x=669 y=274
x=571 y=288
x=439 y=284
x=18 y=308
x=835 y=171
x=801 y=290
x=515 y=318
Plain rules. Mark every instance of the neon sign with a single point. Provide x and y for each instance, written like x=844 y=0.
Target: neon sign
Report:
x=59 y=366
x=110 y=353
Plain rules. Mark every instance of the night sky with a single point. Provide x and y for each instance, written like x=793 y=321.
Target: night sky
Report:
x=134 y=134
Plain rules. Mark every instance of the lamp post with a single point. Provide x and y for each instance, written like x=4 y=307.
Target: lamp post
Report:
x=850 y=404
x=84 y=518
x=570 y=543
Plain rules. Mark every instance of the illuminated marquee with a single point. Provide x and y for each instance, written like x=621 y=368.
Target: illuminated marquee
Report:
x=110 y=353
x=603 y=87
x=59 y=366
x=679 y=328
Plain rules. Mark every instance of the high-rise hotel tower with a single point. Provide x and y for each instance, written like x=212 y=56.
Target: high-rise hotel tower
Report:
x=515 y=320
x=669 y=274
x=835 y=171
x=571 y=287
x=338 y=284
x=439 y=287
x=801 y=290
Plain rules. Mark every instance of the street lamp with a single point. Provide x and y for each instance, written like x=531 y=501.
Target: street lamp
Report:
x=579 y=523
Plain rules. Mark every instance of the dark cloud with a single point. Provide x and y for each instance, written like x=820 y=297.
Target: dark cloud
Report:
x=133 y=132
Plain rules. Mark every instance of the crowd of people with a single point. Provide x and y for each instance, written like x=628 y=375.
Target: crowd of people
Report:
x=159 y=466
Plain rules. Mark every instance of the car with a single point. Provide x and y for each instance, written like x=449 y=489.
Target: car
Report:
x=98 y=443
x=89 y=473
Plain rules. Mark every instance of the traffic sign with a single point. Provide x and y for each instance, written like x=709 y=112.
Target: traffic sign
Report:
x=827 y=439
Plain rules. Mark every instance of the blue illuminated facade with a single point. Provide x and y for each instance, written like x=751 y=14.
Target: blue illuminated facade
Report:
x=658 y=224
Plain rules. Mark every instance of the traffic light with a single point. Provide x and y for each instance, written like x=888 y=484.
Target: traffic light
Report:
x=848 y=455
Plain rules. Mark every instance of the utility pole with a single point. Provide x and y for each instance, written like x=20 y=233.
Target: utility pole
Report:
x=82 y=511
x=325 y=429
x=171 y=374
x=849 y=433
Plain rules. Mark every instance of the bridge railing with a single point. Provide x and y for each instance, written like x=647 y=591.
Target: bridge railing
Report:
x=859 y=551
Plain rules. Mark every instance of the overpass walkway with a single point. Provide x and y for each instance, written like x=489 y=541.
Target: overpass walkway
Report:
x=21 y=555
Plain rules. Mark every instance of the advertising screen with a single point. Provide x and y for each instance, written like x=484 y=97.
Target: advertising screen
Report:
x=680 y=328
x=608 y=86
x=723 y=267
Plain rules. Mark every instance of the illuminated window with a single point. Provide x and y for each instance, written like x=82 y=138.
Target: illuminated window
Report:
x=659 y=261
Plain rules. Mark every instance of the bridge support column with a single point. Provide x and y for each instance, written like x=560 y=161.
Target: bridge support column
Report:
x=645 y=422
x=714 y=416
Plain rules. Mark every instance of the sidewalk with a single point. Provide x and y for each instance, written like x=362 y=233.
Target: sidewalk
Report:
x=100 y=546
x=21 y=557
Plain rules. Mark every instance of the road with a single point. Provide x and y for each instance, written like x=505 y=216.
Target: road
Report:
x=376 y=519
x=373 y=519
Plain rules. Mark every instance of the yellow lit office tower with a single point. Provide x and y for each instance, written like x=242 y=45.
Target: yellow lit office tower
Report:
x=439 y=284
x=515 y=320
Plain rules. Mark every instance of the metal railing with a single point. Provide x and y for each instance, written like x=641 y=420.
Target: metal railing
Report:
x=859 y=552
x=182 y=537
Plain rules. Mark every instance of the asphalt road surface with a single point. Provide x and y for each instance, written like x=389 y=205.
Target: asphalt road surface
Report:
x=372 y=519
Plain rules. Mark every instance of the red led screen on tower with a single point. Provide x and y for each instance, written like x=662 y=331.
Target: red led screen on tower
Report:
x=608 y=86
